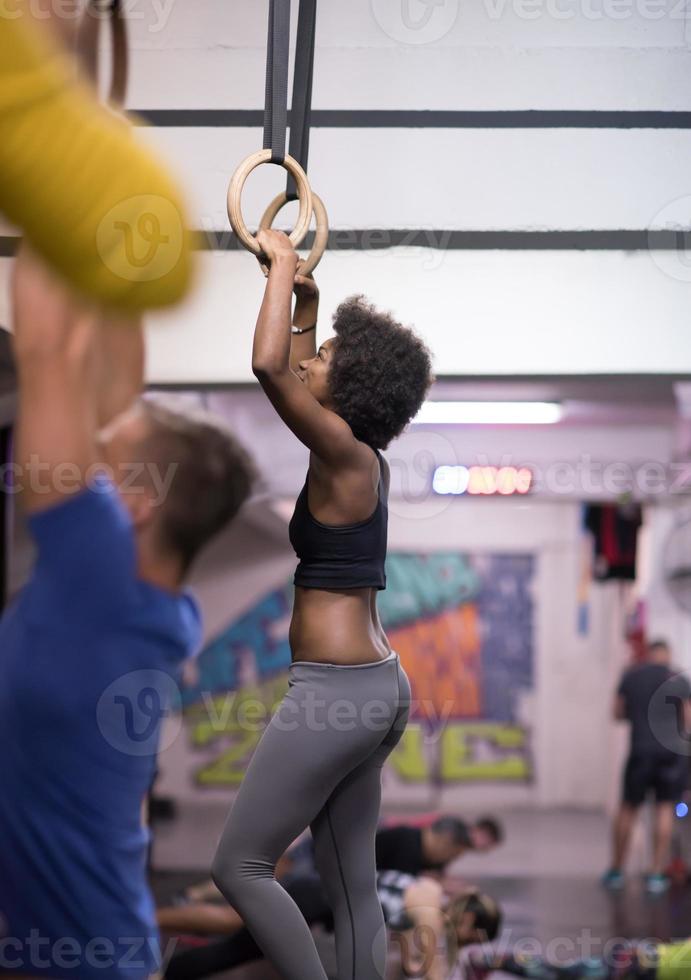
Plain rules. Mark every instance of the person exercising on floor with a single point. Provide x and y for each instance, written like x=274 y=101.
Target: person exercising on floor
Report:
x=429 y=927
x=409 y=849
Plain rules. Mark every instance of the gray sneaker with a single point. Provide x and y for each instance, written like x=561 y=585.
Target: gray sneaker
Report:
x=613 y=880
x=656 y=884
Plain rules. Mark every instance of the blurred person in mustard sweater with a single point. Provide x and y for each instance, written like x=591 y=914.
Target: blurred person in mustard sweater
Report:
x=89 y=198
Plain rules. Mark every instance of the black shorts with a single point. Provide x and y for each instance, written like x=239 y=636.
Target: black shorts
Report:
x=666 y=774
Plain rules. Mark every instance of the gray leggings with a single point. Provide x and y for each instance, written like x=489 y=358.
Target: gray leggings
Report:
x=319 y=764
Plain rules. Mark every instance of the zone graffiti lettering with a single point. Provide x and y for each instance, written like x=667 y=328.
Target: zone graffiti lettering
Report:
x=462 y=626
x=465 y=753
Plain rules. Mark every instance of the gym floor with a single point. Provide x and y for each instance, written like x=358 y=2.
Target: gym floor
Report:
x=545 y=876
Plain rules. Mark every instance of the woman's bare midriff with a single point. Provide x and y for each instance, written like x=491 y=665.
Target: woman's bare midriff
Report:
x=337 y=627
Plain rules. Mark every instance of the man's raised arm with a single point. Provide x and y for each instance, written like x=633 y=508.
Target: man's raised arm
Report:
x=55 y=350
x=77 y=370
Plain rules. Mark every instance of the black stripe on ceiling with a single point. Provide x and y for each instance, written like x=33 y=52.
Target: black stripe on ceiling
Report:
x=427 y=119
x=378 y=239
x=500 y=379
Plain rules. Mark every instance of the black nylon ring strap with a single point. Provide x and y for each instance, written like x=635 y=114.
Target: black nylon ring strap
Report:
x=301 y=108
x=275 y=126
x=88 y=35
x=118 y=88
x=277 y=59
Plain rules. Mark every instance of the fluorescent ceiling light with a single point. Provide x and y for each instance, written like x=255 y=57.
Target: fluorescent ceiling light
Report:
x=489 y=413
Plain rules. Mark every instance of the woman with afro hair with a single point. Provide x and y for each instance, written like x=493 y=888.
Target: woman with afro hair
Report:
x=319 y=761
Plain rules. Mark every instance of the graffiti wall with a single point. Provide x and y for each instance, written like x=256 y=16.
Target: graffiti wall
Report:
x=463 y=627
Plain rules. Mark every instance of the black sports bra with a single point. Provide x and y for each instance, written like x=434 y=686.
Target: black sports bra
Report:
x=344 y=556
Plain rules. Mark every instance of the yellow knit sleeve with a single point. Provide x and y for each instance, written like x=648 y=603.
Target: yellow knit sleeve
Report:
x=89 y=198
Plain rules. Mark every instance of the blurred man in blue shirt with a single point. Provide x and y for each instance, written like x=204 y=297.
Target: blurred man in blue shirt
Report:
x=120 y=495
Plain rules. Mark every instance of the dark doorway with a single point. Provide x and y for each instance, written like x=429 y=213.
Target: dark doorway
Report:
x=8 y=388
x=5 y=514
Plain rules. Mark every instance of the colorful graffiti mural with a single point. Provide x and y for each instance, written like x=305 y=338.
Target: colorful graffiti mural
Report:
x=463 y=627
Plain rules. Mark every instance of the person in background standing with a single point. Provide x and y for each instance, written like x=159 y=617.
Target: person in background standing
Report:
x=656 y=701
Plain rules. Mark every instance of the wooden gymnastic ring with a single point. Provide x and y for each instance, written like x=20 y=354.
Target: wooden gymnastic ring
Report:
x=321 y=238
x=237 y=184
x=88 y=34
